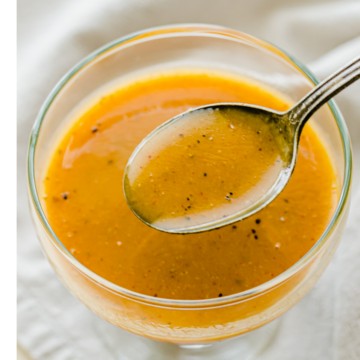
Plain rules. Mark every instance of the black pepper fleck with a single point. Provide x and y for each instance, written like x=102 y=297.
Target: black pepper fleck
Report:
x=94 y=129
x=220 y=295
x=65 y=196
x=258 y=221
x=205 y=174
x=234 y=227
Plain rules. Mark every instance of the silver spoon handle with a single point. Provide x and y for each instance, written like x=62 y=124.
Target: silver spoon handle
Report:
x=323 y=92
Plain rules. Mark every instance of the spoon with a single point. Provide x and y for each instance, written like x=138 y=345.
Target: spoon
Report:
x=156 y=196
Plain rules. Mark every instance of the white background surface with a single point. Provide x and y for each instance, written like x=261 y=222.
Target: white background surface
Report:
x=53 y=36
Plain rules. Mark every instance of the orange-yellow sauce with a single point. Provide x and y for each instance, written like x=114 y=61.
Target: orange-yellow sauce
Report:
x=86 y=207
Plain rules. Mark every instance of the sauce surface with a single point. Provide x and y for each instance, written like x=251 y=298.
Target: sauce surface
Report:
x=86 y=207
x=206 y=166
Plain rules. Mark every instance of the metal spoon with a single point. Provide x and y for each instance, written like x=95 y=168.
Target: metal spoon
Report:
x=286 y=129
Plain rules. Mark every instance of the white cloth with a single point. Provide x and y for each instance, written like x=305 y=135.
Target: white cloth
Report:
x=53 y=35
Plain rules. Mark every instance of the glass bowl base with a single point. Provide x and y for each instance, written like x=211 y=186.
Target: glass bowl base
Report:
x=244 y=347
x=249 y=346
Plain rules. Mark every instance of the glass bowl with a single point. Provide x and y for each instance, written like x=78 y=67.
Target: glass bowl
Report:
x=185 y=46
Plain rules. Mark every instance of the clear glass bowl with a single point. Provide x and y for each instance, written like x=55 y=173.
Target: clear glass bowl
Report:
x=185 y=46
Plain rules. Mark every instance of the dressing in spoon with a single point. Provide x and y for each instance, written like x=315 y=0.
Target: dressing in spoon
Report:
x=181 y=177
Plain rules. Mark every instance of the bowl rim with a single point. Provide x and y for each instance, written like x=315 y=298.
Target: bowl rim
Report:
x=176 y=30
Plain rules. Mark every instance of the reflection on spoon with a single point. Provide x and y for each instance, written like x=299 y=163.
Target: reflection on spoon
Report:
x=220 y=163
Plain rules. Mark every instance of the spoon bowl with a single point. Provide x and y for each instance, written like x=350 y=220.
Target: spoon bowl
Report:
x=143 y=164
